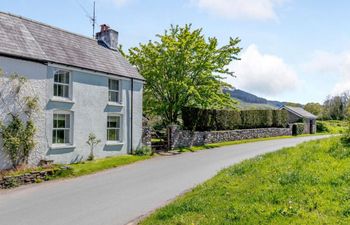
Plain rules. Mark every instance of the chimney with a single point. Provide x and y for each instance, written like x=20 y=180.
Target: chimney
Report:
x=107 y=37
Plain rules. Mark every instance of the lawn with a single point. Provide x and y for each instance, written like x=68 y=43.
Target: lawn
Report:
x=307 y=184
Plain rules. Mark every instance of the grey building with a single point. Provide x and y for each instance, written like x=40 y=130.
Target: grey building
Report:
x=84 y=86
x=300 y=115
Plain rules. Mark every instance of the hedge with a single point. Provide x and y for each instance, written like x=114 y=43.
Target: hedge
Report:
x=298 y=128
x=210 y=119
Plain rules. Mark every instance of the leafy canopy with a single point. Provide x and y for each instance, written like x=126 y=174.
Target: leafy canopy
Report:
x=183 y=68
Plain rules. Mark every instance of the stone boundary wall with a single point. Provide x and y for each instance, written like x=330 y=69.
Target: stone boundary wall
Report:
x=31 y=177
x=146 y=136
x=178 y=138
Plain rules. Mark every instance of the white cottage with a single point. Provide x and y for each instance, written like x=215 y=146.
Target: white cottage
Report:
x=84 y=85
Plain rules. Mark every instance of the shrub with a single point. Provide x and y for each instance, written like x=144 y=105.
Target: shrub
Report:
x=144 y=150
x=298 y=128
x=321 y=127
x=205 y=119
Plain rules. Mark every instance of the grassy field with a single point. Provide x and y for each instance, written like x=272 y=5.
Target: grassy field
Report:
x=307 y=184
x=335 y=126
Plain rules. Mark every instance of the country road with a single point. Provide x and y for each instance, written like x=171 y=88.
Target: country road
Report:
x=121 y=195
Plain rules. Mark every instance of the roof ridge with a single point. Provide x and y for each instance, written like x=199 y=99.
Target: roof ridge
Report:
x=47 y=25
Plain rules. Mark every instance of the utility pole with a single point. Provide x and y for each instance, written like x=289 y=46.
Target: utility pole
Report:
x=93 y=20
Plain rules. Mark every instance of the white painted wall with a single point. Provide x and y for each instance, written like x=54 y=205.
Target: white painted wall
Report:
x=89 y=107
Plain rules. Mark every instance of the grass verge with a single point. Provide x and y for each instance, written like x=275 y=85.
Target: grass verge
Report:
x=307 y=184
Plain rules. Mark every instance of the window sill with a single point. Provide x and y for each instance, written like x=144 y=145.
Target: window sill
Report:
x=63 y=100
x=61 y=146
x=114 y=143
x=115 y=104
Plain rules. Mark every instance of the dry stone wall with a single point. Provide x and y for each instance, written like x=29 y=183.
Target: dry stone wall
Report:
x=178 y=138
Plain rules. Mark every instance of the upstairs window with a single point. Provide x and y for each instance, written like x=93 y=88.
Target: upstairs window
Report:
x=114 y=128
x=61 y=133
x=114 y=91
x=61 y=87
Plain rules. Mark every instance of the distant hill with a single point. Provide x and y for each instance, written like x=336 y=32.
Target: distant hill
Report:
x=251 y=101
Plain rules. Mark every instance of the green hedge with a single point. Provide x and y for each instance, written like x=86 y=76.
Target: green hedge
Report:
x=298 y=128
x=210 y=119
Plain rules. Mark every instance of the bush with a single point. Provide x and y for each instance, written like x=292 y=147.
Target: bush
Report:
x=298 y=128
x=209 y=119
x=144 y=150
x=321 y=127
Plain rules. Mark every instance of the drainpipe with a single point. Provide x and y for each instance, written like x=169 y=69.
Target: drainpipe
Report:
x=132 y=115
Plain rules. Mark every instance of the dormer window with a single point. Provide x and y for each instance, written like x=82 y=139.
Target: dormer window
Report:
x=114 y=91
x=62 y=81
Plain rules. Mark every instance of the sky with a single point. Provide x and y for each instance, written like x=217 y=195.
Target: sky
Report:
x=292 y=50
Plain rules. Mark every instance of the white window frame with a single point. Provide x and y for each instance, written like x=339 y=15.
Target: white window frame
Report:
x=60 y=112
x=69 y=85
x=115 y=91
x=112 y=128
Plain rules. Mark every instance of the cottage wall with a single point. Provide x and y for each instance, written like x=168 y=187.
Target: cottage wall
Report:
x=89 y=107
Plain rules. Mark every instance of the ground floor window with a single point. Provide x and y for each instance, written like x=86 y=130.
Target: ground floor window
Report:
x=62 y=129
x=114 y=128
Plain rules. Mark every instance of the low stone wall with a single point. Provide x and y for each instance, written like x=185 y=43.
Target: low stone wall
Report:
x=29 y=178
x=178 y=138
x=147 y=136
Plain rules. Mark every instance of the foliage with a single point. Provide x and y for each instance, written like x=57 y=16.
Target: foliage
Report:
x=183 y=68
x=298 y=128
x=211 y=119
x=16 y=123
x=307 y=184
x=321 y=127
x=144 y=151
x=314 y=108
x=336 y=107
x=333 y=126
x=92 y=142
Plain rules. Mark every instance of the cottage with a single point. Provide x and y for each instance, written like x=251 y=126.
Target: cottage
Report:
x=297 y=114
x=84 y=86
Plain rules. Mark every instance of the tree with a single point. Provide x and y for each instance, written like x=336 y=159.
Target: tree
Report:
x=16 y=121
x=182 y=69
x=314 y=108
x=336 y=107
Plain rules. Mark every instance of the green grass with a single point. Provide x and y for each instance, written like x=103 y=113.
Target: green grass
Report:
x=307 y=184
x=228 y=143
x=84 y=168
x=335 y=126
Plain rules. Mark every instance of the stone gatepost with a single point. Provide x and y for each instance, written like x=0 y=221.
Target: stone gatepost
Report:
x=173 y=136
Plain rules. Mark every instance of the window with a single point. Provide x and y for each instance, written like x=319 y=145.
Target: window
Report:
x=113 y=128
x=61 y=84
x=114 y=91
x=61 y=133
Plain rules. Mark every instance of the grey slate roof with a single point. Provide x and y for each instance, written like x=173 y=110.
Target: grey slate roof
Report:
x=25 y=38
x=300 y=112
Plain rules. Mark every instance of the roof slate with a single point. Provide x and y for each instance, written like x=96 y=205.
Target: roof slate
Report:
x=26 y=38
x=300 y=112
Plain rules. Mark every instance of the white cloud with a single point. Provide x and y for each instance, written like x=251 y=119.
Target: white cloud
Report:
x=332 y=64
x=241 y=9
x=263 y=74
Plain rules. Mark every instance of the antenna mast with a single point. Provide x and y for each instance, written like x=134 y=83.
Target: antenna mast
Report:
x=93 y=19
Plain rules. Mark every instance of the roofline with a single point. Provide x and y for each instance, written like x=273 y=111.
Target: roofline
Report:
x=63 y=64
x=45 y=24
x=291 y=110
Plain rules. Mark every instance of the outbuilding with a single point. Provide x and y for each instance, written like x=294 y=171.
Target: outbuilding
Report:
x=300 y=115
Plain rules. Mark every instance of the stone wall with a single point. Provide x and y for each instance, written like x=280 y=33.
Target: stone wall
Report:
x=178 y=138
x=31 y=177
x=146 y=136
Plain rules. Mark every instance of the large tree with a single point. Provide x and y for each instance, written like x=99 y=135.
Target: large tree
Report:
x=314 y=108
x=183 y=68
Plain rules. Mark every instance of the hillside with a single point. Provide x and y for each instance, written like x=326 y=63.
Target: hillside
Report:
x=251 y=101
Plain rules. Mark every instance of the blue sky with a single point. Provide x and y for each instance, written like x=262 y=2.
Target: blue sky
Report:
x=293 y=50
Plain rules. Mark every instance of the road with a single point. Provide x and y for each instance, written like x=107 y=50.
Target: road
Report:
x=121 y=195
